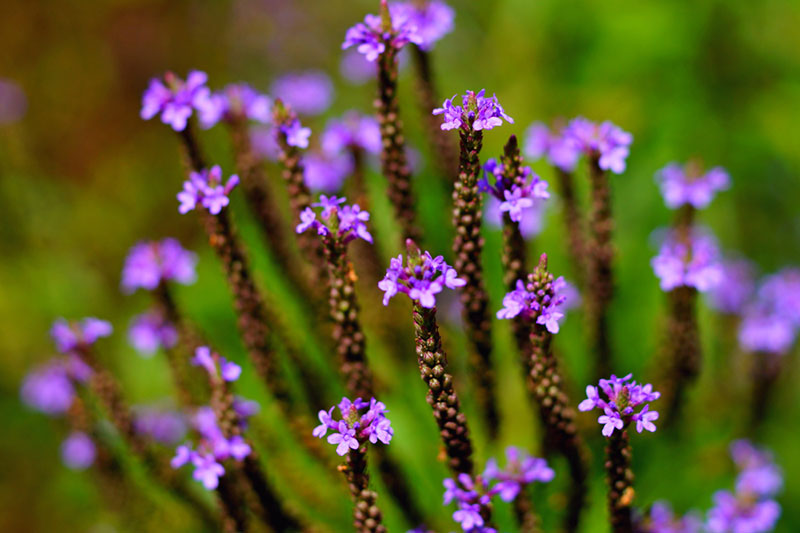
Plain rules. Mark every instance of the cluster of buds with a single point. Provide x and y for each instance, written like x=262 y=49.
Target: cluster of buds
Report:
x=343 y=224
x=623 y=396
x=476 y=112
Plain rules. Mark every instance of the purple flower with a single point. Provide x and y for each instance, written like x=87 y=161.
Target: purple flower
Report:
x=345 y=438
x=697 y=265
x=296 y=134
x=736 y=286
x=78 y=451
x=662 y=520
x=343 y=222
x=264 y=142
x=150 y=332
x=360 y=422
x=469 y=516
x=421 y=279
x=161 y=425
x=540 y=304
x=781 y=293
x=392 y=27
x=622 y=396
x=606 y=141
x=517 y=195
x=476 y=112
x=216 y=365
x=151 y=263
x=237 y=101
x=689 y=186
x=433 y=20
x=561 y=150
x=207 y=470
x=70 y=336
x=531 y=221
x=327 y=173
x=761 y=331
x=758 y=474
x=736 y=515
x=309 y=92
x=48 y=388
x=353 y=130
x=521 y=469
x=205 y=187
x=176 y=100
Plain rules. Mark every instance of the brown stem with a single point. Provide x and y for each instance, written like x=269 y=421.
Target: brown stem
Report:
x=684 y=346
x=619 y=477
x=573 y=221
x=367 y=516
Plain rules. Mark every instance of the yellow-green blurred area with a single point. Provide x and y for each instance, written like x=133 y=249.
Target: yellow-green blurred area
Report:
x=82 y=178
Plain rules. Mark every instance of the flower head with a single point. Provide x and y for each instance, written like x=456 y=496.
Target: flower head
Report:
x=326 y=173
x=393 y=28
x=758 y=476
x=696 y=265
x=421 y=278
x=69 y=337
x=360 y=422
x=521 y=470
x=237 y=101
x=150 y=332
x=771 y=320
x=78 y=451
x=517 y=194
x=560 y=149
x=433 y=19
x=216 y=365
x=736 y=286
x=607 y=142
x=289 y=129
x=151 y=263
x=205 y=188
x=48 y=388
x=353 y=130
x=309 y=92
x=690 y=186
x=622 y=397
x=661 y=519
x=344 y=223
x=176 y=99
x=476 y=112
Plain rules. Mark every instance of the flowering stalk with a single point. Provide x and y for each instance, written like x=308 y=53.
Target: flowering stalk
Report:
x=573 y=221
x=538 y=303
x=619 y=478
x=475 y=114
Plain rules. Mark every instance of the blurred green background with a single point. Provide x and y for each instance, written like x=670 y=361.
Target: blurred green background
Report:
x=82 y=178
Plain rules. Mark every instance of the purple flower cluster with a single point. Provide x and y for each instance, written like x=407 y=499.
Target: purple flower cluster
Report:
x=49 y=388
x=237 y=101
x=78 y=451
x=697 y=265
x=662 y=520
x=69 y=337
x=476 y=112
x=309 y=92
x=605 y=140
x=561 y=150
x=353 y=130
x=689 y=186
x=176 y=100
x=164 y=426
x=545 y=306
x=517 y=196
x=216 y=365
x=421 y=279
x=471 y=496
x=531 y=220
x=345 y=223
x=326 y=173
x=393 y=27
x=212 y=449
x=205 y=187
x=433 y=20
x=361 y=422
x=736 y=287
x=751 y=507
x=296 y=134
x=150 y=332
x=771 y=321
x=619 y=407
x=151 y=263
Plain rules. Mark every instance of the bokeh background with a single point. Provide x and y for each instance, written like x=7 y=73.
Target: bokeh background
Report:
x=82 y=178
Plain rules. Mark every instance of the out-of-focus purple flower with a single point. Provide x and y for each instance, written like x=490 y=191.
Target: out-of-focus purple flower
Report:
x=517 y=195
x=353 y=130
x=605 y=140
x=361 y=422
x=48 y=388
x=355 y=68
x=736 y=515
x=781 y=293
x=531 y=222
x=433 y=19
x=688 y=186
x=326 y=173
x=309 y=92
x=392 y=27
x=476 y=112
x=622 y=397
x=521 y=469
x=205 y=188
x=150 y=332
x=421 y=278
x=661 y=519
x=13 y=102
x=697 y=265
x=150 y=263
x=216 y=365
x=762 y=331
x=164 y=426
x=345 y=223
x=296 y=134
x=561 y=150
x=736 y=287
x=758 y=473
x=78 y=451
x=176 y=100
x=471 y=498
x=70 y=336
x=237 y=101
x=207 y=470
x=264 y=142
x=543 y=305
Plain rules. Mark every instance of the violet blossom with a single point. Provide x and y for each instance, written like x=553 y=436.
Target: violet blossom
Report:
x=326 y=173
x=622 y=397
x=545 y=307
x=361 y=422
x=392 y=27
x=205 y=188
x=69 y=337
x=343 y=222
x=696 y=265
x=78 y=451
x=517 y=195
x=48 y=388
x=735 y=288
x=151 y=263
x=433 y=19
x=561 y=150
x=309 y=92
x=476 y=112
x=353 y=130
x=661 y=519
x=521 y=469
x=771 y=320
x=689 y=186
x=176 y=100
x=216 y=365
x=609 y=143
x=150 y=332
x=421 y=279
x=237 y=101
x=531 y=221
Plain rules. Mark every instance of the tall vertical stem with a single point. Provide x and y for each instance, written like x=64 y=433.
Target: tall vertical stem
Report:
x=367 y=516
x=619 y=477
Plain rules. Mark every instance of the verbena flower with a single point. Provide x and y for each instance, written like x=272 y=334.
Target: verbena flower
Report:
x=606 y=141
x=326 y=173
x=689 y=186
x=516 y=195
x=361 y=422
x=521 y=469
x=264 y=142
x=470 y=499
x=70 y=336
x=48 y=388
x=734 y=515
x=758 y=473
x=205 y=188
x=296 y=134
x=353 y=130
x=433 y=19
x=771 y=320
x=392 y=27
x=78 y=451
x=697 y=265
x=476 y=112
x=176 y=100
x=622 y=397
x=561 y=150
x=165 y=426
x=150 y=332
x=531 y=222
x=543 y=305
x=237 y=101
x=661 y=519
x=735 y=288
x=422 y=278
x=343 y=222
x=781 y=293
x=309 y=92
x=151 y=263
x=216 y=365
